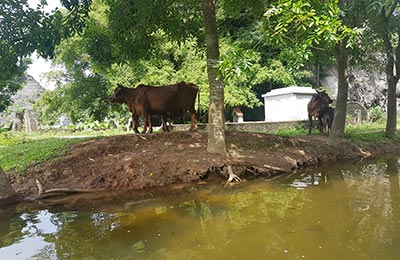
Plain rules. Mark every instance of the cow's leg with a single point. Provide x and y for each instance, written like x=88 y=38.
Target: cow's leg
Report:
x=150 y=124
x=135 y=118
x=310 y=127
x=321 y=125
x=329 y=125
x=164 y=123
x=193 y=125
x=145 y=122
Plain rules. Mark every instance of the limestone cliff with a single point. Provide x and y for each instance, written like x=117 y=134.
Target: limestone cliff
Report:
x=367 y=87
x=23 y=99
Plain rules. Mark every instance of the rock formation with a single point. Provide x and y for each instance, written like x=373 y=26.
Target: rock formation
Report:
x=22 y=101
x=367 y=87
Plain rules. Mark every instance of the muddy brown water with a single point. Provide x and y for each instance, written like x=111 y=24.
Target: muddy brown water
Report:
x=347 y=211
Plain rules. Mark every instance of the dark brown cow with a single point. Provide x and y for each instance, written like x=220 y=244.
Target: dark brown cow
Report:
x=319 y=101
x=327 y=116
x=166 y=100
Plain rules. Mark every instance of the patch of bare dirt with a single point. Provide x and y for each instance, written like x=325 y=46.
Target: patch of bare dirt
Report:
x=134 y=162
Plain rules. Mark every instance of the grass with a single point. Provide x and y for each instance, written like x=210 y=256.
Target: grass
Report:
x=367 y=132
x=21 y=155
x=19 y=150
x=290 y=132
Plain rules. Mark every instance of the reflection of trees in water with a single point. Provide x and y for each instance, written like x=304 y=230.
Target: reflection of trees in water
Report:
x=371 y=191
x=353 y=218
x=8 y=231
x=15 y=226
x=38 y=227
x=235 y=225
x=393 y=171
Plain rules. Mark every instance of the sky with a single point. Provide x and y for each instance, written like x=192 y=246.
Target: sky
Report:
x=40 y=65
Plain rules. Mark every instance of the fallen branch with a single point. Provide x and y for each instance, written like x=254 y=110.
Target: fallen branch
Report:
x=42 y=193
x=273 y=168
x=262 y=171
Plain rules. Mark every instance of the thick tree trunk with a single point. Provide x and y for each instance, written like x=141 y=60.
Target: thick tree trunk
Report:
x=339 y=122
x=7 y=193
x=216 y=120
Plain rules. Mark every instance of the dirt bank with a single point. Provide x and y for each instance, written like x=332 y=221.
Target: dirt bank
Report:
x=132 y=162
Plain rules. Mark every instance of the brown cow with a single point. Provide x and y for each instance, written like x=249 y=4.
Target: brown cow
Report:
x=319 y=101
x=166 y=100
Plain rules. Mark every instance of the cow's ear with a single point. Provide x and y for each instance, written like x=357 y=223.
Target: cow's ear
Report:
x=119 y=85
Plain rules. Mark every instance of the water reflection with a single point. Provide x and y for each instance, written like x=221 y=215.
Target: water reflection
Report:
x=351 y=212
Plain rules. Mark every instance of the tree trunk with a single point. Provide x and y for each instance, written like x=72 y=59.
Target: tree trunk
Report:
x=216 y=120
x=339 y=122
x=7 y=193
x=392 y=79
x=391 y=121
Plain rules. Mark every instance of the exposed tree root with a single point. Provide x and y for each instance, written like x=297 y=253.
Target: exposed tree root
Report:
x=232 y=177
x=44 y=194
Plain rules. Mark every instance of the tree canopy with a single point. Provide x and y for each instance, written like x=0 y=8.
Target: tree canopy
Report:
x=262 y=45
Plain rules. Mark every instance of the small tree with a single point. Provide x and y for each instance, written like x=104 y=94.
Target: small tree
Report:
x=385 y=23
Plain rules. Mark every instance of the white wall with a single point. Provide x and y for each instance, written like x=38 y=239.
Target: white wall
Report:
x=287 y=104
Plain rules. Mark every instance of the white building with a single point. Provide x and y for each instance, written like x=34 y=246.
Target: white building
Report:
x=287 y=104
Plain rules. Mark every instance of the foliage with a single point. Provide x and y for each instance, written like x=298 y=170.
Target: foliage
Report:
x=93 y=125
x=81 y=94
x=23 y=30
x=384 y=20
x=299 y=27
x=164 y=55
x=377 y=114
x=82 y=100
x=137 y=26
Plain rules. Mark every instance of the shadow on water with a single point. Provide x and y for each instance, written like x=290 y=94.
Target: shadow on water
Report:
x=347 y=211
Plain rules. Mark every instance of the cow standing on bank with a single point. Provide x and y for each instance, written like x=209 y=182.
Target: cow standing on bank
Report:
x=318 y=103
x=326 y=115
x=169 y=100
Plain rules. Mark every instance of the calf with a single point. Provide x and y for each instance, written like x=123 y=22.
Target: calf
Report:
x=327 y=116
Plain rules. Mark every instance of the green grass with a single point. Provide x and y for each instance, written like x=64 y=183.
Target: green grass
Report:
x=19 y=156
x=367 y=132
x=290 y=132
x=19 y=150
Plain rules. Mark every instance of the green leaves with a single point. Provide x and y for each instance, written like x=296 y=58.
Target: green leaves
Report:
x=23 y=30
x=299 y=26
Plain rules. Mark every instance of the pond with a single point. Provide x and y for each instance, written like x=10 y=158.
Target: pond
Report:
x=350 y=211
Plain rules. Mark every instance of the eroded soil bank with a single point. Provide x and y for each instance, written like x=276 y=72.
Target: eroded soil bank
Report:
x=141 y=162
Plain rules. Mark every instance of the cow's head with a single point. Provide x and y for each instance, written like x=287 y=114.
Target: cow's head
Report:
x=323 y=98
x=118 y=95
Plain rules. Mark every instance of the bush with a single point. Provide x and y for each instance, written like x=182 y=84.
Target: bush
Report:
x=377 y=114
